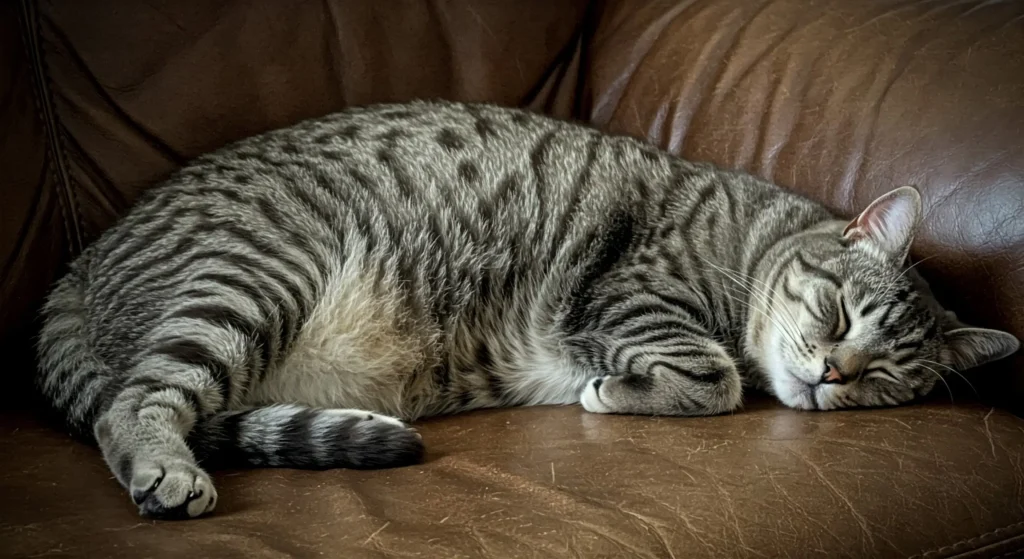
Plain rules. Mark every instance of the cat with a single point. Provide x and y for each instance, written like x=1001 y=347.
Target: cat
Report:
x=290 y=300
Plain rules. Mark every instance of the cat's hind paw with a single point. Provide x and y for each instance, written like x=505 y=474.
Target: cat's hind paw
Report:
x=171 y=489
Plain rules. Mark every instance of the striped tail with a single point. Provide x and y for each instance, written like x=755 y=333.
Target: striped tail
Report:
x=300 y=437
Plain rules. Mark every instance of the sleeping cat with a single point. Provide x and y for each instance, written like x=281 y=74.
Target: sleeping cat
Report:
x=291 y=299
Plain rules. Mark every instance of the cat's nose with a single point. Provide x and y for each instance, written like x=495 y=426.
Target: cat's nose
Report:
x=834 y=373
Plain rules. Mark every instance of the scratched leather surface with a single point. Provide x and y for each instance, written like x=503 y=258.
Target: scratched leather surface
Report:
x=839 y=100
x=768 y=482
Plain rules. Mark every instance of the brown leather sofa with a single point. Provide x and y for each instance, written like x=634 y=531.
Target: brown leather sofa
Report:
x=838 y=99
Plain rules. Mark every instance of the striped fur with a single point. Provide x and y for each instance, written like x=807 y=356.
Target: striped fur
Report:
x=291 y=299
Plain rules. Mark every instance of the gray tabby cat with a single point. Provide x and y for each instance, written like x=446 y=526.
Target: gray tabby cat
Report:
x=283 y=301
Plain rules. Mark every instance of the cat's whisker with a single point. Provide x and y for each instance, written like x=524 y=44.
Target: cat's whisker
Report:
x=888 y=288
x=787 y=323
x=732 y=274
x=955 y=372
x=765 y=301
x=772 y=319
x=736 y=278
x=948 y=389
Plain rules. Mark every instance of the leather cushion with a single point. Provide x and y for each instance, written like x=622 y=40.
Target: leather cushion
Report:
x=931 y=479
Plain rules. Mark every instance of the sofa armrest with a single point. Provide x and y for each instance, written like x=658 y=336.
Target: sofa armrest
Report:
x=843 y=101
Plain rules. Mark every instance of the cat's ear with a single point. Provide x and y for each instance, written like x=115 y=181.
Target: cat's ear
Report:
x=971 y=347
x=889 y=222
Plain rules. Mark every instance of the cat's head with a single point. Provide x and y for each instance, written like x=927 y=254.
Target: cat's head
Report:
x=849 y=324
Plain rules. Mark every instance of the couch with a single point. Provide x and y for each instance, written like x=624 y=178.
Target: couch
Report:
x=836 y=99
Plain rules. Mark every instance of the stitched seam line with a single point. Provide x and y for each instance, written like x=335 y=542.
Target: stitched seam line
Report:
x=968 y=541
x=45 y=110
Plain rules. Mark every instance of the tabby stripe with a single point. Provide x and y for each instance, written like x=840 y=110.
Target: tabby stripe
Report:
x=646 y=310
x=84 y=398
x=730 y=206
x=581 y=181
x=293 y=442
x=678 y=327
x=139 y=240
x=905 y=359
x=912 y=344
x=483 y=126
x=279 y=333
x=653 y=338
x=450 y=140
x=818 y=271
x=403 y=182
x=643 y=189
x=311 y=204
x=679 y=354
x=176 y=410
x=150 y=385
x=330 y=220
x=232 y=195
x=369 y=188
x=283 y=278
x=639 y=382
x=125 y=238
x=686 y=224
x=693 y=351
x=686 y=405
x=507 y=189
x=227 y=317
x=884 y=319
x=814 y=313
x=538 y=161
x=657 y=336
x=790 y=294
x=778 y=273
x=194 y=353
x=486 y=364
x=196 y=293
x=884 y=372
x=761 y=252
x=711 y=377
x=600 y=251
x=245 y=263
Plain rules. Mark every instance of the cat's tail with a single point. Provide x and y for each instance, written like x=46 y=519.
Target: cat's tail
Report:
x=294 y=436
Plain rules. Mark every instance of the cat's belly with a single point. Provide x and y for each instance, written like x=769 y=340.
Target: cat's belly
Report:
x=357 y=350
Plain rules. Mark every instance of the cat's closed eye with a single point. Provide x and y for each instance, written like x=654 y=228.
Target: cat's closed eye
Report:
x=880 y=373
x=842 y=327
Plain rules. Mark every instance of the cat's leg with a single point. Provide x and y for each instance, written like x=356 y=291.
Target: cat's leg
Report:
x=189 y=372
x=666 y=366
x=142 y=437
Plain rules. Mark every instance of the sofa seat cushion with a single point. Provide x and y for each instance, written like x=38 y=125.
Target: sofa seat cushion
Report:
x=931 y=480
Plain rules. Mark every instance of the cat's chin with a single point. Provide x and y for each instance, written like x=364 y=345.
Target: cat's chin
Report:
x=795 y=393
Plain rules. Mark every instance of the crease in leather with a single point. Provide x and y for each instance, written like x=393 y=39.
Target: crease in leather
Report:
x=543 y=91
x=714 y=63
x=151 y=138
x=591 y=19
x=32 y=39
x=612 y=94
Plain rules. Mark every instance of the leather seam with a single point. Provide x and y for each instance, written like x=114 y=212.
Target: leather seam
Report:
x=46 y=112
x=968 y=541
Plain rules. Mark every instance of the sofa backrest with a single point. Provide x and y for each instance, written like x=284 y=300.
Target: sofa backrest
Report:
x=840 y=101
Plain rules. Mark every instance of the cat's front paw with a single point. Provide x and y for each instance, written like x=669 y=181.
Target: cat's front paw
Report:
x=171 y=489
x=591 y=400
